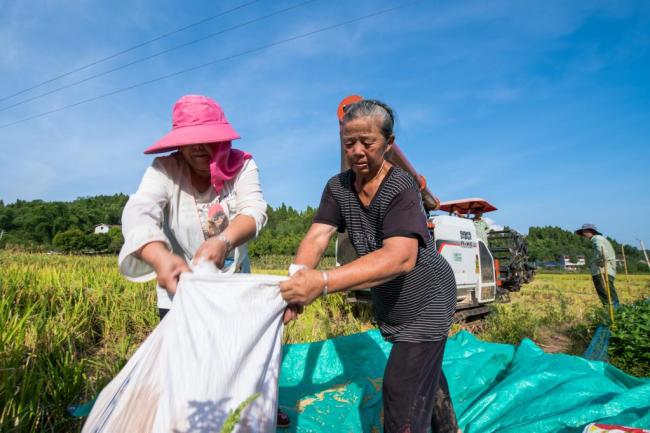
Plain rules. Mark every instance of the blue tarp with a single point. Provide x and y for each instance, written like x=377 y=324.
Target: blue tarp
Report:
x=597 y=349
x=335 y=386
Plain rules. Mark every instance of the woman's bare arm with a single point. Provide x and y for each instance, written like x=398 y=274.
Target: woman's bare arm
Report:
x=313 y=245
x=397 y=256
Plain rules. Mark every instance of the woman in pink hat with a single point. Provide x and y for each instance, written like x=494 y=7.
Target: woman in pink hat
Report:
x=204 y=201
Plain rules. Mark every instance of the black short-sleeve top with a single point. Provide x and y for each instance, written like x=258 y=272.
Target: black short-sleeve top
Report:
x=414 y=307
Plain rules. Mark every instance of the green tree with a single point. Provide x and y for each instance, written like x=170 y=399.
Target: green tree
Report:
x=72 y=240
x=116 y=240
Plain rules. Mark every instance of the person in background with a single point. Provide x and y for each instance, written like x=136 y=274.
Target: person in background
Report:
x=203 y=201
x=413 y=287
x=482 y=227
x=455 y=212
x=603 y=262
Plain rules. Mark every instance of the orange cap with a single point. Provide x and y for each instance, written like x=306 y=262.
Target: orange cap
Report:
x=345 y=102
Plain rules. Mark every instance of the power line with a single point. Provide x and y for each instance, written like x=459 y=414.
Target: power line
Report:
x=160 y=53
x=126 y=50
x=214 y=62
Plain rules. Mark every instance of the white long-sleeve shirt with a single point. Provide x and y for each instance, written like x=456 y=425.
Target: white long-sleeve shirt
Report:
x=164 y=209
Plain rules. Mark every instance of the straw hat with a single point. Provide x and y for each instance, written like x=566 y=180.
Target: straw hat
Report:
x=587 y=227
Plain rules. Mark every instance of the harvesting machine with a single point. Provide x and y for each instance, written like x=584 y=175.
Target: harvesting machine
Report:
x=484 y=271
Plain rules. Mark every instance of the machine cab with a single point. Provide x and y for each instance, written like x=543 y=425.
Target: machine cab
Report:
x=457 y=240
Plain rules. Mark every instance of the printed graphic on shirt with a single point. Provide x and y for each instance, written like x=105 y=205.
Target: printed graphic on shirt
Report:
x=217 y=220
x=213 y=217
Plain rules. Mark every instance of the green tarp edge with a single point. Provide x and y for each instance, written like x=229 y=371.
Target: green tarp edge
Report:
x=335 y=386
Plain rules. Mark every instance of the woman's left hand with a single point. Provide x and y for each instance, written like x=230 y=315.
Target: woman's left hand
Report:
x=214 y=250
x=305 y=286
x=291 y=313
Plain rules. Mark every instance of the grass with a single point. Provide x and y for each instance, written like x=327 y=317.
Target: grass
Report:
x=69 y=323
x=280 y=264
x=629 y=345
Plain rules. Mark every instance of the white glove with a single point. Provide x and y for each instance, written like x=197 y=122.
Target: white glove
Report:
x=293 y=268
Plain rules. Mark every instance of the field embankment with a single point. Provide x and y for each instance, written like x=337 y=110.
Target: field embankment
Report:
x=558 y=311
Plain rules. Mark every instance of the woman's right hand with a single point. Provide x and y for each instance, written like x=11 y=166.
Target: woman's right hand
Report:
x=168 y=266
x=168 y=271
x=305 y=286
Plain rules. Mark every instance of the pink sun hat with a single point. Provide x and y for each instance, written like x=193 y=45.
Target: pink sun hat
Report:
x=196 y=119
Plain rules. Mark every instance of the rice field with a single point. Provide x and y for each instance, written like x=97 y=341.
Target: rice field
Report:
x=69 y=323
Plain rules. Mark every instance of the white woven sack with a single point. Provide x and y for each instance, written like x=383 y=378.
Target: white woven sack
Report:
x=219 y=344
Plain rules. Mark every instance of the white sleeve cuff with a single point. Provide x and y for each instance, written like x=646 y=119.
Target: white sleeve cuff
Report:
x=258 y=217
x=131 y=265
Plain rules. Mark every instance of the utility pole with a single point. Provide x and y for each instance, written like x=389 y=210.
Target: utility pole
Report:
x=627 y=279
x=644 y=253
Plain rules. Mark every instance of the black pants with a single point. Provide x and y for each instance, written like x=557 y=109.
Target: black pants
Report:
x=416 y=395
x=602 y=290
x=162 y=312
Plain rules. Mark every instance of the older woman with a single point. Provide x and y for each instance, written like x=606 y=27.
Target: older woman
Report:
x=203 y=201
x=413 y=287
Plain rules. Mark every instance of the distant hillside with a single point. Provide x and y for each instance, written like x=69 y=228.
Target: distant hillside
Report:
x=546 y=243
x=35 y=224
x=68 y=226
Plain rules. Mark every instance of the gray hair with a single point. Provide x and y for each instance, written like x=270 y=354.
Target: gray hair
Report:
x=371 y=107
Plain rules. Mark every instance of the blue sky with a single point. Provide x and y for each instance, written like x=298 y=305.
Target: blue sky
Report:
x=542 y=108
